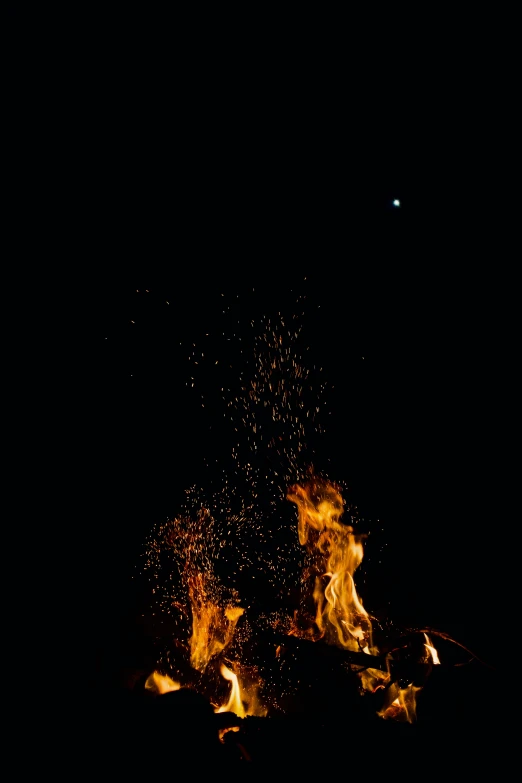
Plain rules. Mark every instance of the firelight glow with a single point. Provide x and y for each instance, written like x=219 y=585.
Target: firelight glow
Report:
x=213 y=536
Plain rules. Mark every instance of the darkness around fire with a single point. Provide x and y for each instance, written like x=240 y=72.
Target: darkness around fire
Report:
x=258 y=214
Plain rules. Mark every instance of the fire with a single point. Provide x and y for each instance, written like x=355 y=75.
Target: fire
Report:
x=212 y=626
x=235 y=702
x=161 y=683
x=401 y=703
x=432 y=652
x=331 y=611
x=340 y=616
x=243 y=699
x=274 y=408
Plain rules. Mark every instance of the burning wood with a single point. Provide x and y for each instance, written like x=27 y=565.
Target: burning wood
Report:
x=320 y=663
x=336 y=637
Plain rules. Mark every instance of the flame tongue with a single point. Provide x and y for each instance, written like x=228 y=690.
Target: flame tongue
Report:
x=161 y=683
x=243 y=699
x=212 y=626
x=235 y=703
x=431 y=651
x=400 y=703
x=337 y=552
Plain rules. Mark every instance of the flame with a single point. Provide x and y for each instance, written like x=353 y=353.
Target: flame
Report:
x=401 y=703
x=161 y=683
x=340 y=615
x=212 y=626
x=234 y=703
x=243 y=699
x=431 y=650
x=334 y=552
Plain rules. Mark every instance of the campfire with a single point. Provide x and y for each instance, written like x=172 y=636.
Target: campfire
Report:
x=327 y=657
x=309 y=666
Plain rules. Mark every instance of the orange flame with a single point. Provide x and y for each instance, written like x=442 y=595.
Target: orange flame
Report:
x=340 y=615
x=431 y=650
x=401 y=703
x=161 y=683
x=234 y=703
x=243 y=699
x=212 y=626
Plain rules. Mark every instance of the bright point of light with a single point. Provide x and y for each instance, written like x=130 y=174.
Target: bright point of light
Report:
x=396 y=202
